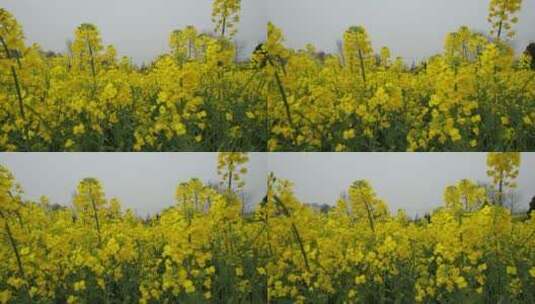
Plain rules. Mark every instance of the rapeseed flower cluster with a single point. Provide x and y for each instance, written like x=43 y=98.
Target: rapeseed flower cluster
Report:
x=476 y=95
x=206 y=249
x=198 y=96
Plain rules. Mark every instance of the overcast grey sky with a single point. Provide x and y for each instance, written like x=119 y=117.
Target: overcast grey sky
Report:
x=144 y=182
x=137 y=28
x=412 y=181
x=410 y=28
x=413 y=29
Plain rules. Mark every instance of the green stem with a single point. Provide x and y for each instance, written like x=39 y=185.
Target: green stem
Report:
x=294 y=230
x=19 y=94
x=223 y=26
x=18 y=91
x=370 y=217
x=93 y=68
x=499 y=30
x=13 y=244
x=286 y=105
x=362 y=70
x=229 y=179
x=95 y=215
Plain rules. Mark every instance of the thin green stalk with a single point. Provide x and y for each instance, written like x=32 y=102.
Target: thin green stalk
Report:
x=500 y=189
x=499 y=30
x=95 y=215
x=294 y=230
x=286 y=105
x=93 y=68
x=362 y=70
x=19 y=94
x=13 y=244
x=18 y=91
x=8 y=53
x=223 y=26
x=230 y=179
x=21 y=106
x=370 y=217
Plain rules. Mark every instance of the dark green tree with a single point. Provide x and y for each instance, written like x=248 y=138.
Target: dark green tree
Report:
x=531 y=206
x=530 y=51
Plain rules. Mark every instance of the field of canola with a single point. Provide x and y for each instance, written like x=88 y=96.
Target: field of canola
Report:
x=205 y=249
x=196 y=97
x=477 y=95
